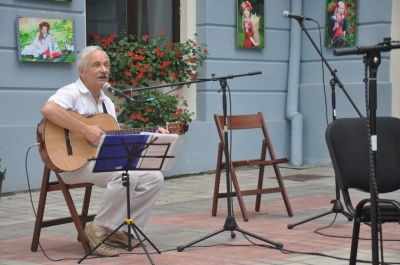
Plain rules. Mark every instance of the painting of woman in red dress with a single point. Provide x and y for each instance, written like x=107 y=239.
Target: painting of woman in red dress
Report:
x=249 y=25
x=340 y=23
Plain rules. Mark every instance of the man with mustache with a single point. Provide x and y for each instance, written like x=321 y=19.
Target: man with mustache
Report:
x=87 y=98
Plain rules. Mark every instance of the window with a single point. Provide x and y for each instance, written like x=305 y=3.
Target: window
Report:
x=138 y=17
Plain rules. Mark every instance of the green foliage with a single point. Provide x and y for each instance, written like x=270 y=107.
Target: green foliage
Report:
x=142 y=112
x=138 y=62
x=135 y=61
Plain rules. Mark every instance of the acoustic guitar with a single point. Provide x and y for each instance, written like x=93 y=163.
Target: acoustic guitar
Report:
x=64 y=150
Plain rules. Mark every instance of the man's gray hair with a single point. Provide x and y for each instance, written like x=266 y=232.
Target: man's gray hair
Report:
x=82 y=57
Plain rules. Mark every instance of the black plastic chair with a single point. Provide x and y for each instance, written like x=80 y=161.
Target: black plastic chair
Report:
x=347 y=141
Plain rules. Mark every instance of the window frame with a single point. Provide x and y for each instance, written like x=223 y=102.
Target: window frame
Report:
x=132 y=19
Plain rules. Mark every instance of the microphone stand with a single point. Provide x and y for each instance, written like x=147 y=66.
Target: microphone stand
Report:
x=191 y=82
x=230 y=223
x=337 y=204
x=373 y=60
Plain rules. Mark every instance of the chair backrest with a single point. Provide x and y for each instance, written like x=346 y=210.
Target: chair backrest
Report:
x=347 y=141
x=240 y=122
x=249 y=133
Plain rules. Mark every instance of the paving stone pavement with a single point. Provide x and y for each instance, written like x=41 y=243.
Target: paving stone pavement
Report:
x=182 y=215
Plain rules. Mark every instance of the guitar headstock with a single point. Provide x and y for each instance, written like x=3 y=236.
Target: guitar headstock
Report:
x=178 y=127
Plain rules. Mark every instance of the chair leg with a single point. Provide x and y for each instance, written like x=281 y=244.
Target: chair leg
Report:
x=261 y=170
x=235 y=184
x=259 y=186
x=354 y=240
x=239 y=195
x=74 y=214
x=217 y=181
x=85 y=207
x=283 y=190
x=40 y=211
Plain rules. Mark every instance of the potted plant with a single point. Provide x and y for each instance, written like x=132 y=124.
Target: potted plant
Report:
x=140 y=62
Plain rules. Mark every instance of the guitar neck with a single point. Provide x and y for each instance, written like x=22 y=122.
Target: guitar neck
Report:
x=132 y=131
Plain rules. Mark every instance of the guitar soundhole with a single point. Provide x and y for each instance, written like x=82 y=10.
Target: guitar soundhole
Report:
x=68 y=142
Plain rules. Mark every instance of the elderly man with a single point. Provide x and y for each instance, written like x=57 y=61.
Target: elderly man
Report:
x=85 y=96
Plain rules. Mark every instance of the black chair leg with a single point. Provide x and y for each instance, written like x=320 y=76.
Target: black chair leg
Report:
x=354 y=241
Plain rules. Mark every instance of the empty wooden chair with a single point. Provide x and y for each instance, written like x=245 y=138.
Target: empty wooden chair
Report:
x=244 y=122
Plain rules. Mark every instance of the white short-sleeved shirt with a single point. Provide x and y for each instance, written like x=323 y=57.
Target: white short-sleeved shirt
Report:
x=76 y=97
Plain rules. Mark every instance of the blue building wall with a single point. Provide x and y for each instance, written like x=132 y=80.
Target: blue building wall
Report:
x=26 y=86
x=371 y=29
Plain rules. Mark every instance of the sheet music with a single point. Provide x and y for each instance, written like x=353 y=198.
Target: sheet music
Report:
x=114 y=150
x=147 y=151
x=161 y=145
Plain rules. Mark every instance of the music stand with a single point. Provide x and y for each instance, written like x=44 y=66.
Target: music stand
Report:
x=130 y=152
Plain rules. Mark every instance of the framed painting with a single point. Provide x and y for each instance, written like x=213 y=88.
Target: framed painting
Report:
x=340 y=23
x=45 y=40
x=250 y=24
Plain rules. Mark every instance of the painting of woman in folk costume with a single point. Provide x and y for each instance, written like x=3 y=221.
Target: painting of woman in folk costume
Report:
x=45 y=40
x=250 y=26
x=340 y=23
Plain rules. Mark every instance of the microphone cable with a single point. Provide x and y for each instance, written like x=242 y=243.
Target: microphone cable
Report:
x=33 y=207
x=323 y=72
x=371 y=159
x=371 y=154
x=31 y=200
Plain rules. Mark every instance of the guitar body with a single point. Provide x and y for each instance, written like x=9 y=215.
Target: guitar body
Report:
x=63 y=150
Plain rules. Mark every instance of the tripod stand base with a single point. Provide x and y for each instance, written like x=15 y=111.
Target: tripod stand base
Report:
x=230 y=225
x=337 y=208
x=131 y=225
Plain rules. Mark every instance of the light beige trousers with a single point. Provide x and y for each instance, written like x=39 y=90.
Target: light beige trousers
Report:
x=145 y=187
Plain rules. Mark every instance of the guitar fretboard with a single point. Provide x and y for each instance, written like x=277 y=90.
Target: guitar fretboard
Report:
x=132 y=131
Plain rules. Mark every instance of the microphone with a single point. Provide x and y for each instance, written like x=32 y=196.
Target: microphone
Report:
x=117 y=92
x=286 y=14
x=108 y=87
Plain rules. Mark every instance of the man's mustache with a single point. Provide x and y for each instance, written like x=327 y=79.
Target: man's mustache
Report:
x=103 y=75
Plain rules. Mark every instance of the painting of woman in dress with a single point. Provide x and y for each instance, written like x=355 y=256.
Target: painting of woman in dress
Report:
x=40 y=42
x=340 y=23
x=45 y=40
x=250 y=33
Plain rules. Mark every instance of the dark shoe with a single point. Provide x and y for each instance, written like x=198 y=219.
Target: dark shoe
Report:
x=104 y=249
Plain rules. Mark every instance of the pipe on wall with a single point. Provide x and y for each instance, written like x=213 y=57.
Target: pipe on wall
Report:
x=292 y=106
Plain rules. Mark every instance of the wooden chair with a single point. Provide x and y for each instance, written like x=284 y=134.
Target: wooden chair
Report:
x=79 y=220
x=242 y=122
